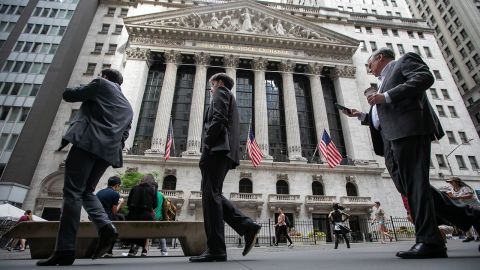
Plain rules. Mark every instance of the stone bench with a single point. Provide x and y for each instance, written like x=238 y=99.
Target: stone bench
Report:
x=42 y=235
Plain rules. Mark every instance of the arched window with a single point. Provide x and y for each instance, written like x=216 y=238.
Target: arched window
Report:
x=317 y=188
x=351 y=190
x=245 y=186
x=169 y=182
x=282 y=187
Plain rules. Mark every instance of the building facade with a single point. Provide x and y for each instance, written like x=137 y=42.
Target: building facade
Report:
x=457 y=31
x=291 y=64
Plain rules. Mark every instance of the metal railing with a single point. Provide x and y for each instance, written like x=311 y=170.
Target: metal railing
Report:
x=303 y=232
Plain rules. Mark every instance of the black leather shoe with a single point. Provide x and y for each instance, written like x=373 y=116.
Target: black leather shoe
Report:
x=207 y=256
x=424 y=251
x=62 y=257
x=250 y=236
x=107 y=235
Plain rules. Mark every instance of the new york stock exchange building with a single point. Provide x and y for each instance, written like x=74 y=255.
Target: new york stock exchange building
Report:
x=289 y=72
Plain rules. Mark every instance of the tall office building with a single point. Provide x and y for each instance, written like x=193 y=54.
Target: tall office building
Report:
x=291 y=63
x=457 y=31
x=39 y=46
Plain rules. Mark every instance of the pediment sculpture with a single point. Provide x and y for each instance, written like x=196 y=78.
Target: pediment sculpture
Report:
x=244 y=20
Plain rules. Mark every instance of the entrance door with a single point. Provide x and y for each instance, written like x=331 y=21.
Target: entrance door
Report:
x=322 y=224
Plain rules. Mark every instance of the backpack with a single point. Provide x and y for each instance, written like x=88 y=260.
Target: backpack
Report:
x=287 y=221
x=169 y=211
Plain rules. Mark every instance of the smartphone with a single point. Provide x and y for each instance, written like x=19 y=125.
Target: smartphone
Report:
x=341 y=107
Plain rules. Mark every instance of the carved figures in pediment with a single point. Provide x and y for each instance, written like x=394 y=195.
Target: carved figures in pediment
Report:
x=214 y=22
x=247 y=21
x=279 y=28
x=227 y=24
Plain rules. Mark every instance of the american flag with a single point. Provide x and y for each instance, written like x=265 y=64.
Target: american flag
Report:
x=329 y=150
x=254 y=152
x=168 y=147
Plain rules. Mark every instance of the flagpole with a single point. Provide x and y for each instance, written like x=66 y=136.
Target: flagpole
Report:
x=314 y=152
x=173 y=141
x=248 y=134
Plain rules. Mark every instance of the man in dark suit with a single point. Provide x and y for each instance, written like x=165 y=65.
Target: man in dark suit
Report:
x=220 y=153
x=406 y=122
x=97 y=135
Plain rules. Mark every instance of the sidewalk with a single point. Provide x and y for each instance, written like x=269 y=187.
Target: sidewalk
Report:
x=362 y=256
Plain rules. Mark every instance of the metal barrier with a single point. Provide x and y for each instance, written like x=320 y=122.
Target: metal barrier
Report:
x=304 y=233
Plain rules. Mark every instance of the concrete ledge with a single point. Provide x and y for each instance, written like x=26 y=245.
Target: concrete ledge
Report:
x=42 y=235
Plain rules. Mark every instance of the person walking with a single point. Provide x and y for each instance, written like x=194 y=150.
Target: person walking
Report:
x=281 y=228
x=337 y=216
x=462 y=192
x=97 y=135
x=220 y=153
x=379 y=217
x=112 y=203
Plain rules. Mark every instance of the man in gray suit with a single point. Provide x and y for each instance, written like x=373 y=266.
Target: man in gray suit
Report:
x=220 y=153
x=97 y=135
x=401 y=112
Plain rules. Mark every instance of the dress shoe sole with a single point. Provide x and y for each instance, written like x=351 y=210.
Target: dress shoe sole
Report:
x=421 y=256
x=216 y=259
x=247 y=249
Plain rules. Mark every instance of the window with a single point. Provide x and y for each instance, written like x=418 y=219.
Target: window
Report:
x=457 y=23
x=452 y=12
x=453 y=113
x=245 y=186
x=395 y=32
x=317 y=188
x=363 y=47
x=458 y=75
x=36 y=47
x=118 y=29
x=445 y=94
x=453 y=63
x=24 y=115
x=389 y=13
x=410 y=34
x=112 y=48
x=390 y=46
x=53 y=49
x=469 y=65
x=282 y=187
x=12 y=142
x=169 y=182
x=398 y=14
x=27 y=46
x=53 y=13
x=446 y=19
x=401 y=50
x=364 y=10
x=384 y=32
x=5 y=110
x=373 y=45
x=340 y=8
x=473 y=162
x=441 y=161
x=374 y=11
x=105 y=28
x=440 y=110
x=463 y=136
x=476 y=58
x=428 y=53
x=15 y=112
x=451 y=137
x=351 y=189
x=416 y=49
x=476 y=78
x=350 y=9
x=98 y=48
x=111 y=11
x=385 y=3
x=368 y=30
x=358 y=29
x=447 y=51
x=90 y=69
x=437 y=74
x=470 y=46
x=123 y=12
x=463 y=34
x=461 y=162
x=8 y=66
x=26 y=67
x=105 y=66
x=433 y=93
x=61 y=31
x=17 y=66
x=463 y=53
x=394 y=3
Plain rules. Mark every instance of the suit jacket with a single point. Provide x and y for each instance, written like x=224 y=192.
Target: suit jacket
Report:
x=103 y=122
x=221 y=127
x=410 y=112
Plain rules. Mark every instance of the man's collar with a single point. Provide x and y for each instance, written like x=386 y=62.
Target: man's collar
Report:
x=385 y=70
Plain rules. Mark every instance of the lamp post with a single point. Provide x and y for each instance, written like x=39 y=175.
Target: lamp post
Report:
x=451 y=152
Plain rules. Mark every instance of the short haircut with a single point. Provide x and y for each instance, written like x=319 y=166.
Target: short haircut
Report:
x=227 y=80
x=377 y=202
x=113 y=75
x=386 y=52
x=28 y=212
x=114 y=180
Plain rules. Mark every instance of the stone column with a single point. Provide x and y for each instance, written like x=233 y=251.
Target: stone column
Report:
x=231 y=63
x=318 y=100
x=136 y=73
x=357 y=137
x=198 y=102
x=294 y=145
x=172 y=58
x=260 y=106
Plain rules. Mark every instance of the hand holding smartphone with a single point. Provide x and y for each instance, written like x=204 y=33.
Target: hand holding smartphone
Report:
x=342 y=108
